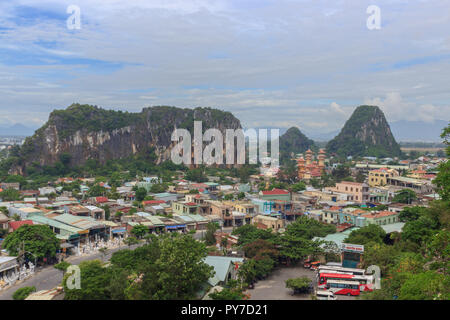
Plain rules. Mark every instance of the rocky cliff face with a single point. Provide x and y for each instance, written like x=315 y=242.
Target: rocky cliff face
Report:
x=87 y=132
x=366 y=133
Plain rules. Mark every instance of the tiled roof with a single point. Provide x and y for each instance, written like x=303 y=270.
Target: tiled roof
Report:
x=275 y=192
x=379 y=214
x=17 y=224
x=101 y=199
x=153 y=202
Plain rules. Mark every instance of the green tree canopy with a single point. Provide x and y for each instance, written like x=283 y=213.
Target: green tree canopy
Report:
x=38 y=240
x=405 y=196
x=370 y=233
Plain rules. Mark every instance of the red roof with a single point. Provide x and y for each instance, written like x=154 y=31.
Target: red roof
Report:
x=101 y=199
x=17 y=224
x=153 y=202
x=190 y=204
x=275 y=191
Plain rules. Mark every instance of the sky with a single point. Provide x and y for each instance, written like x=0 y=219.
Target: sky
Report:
x=280 y=63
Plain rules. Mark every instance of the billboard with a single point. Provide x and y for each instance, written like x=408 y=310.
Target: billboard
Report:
x=352 y=248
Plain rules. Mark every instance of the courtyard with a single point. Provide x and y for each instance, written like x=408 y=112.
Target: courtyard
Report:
x=274 y=287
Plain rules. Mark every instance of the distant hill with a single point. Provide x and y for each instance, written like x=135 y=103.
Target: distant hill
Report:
x=85 y=132
x=17 y=129
x=366 y=133
x=418 y=131
x=293 y=141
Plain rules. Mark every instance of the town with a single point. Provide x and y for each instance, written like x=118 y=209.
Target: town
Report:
x=310 y=229
x=220 y=158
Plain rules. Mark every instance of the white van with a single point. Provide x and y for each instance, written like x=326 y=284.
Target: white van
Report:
x=325 y=295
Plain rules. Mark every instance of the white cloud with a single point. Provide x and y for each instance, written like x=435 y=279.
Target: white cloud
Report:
x=396 y=108
x=308 y=62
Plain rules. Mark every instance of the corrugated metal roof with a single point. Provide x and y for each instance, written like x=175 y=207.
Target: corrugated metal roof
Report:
x=79 y=222
x=221 y=266
x=155 y=221
x=56 y=224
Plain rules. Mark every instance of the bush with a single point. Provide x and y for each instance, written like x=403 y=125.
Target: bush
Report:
x=302 y=284
x=23 y=293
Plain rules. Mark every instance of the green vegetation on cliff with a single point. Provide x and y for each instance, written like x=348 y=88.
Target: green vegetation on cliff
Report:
x=366 y=133
x=293 y=141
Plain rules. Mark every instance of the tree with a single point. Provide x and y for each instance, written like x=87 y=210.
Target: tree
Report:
x=10 y=195
x=196 y=175
x=419 y=231
x=442 y=180
x=63 y=265
x=181 y=267
x=140 y=194
x=94 y=282
x=426 y=286
x=295 y=247
x=370 y=233
x=249 y=233
x=158 y=188
x=302 y=284
x=241 y=195
x=97 y=191
x=381 y=255
x=131 y=241
x=411 y=213
x=299 y=186
x=139 y=231
x=309 y=228
x=360 y=177
x=227 y=294
x=38 y=240
x=260 y=247
x=247 y=272
x=228 y=196
x=211 y=229
x=341 y=172
x=107 y=212
x=405 y=196
x=23 y=293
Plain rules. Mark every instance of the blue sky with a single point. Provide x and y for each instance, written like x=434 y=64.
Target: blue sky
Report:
x=281 y=63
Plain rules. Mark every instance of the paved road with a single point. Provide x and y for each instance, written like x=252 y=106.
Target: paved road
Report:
x=48 y=278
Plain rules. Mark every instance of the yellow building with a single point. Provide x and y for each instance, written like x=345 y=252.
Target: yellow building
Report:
x=267 y=222
x=379 y=177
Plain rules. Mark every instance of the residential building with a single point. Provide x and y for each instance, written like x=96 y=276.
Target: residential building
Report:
x=378 y=177
x=381 y=217
x=359 y=192
x=267 y=222
x=275 y=194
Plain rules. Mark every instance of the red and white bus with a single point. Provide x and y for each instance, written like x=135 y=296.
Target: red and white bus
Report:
x=365 y=283
x=339 y=269
x=349 y=288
